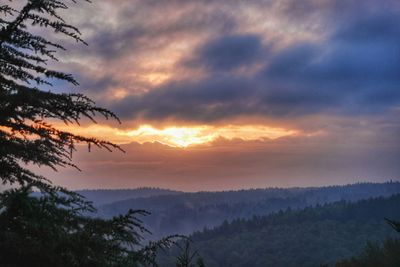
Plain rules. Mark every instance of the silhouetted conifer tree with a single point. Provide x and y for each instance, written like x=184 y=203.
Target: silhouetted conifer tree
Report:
x=394 y=224
x=50 y=229
x=187 y=257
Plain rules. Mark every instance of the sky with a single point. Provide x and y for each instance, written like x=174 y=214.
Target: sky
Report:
x=230 y=94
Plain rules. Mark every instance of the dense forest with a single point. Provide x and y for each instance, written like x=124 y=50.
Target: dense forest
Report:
x=187 y=212
x=308 y=237
x=375 y=254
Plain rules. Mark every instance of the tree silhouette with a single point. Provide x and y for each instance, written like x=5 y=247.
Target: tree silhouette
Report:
x=25 y=132
x=187 y=256
x=50 y=229
x=394 y=224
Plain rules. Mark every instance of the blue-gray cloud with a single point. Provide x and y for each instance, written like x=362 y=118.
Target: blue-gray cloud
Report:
x=228 y=52
x=355 y=70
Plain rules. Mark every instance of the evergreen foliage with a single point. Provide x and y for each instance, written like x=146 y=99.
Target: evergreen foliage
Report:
x=187 y=256
x=373 y=255
x=293 y=238
x=394 y=224
x=385 y=255
x=26 y=134
x=49 y=229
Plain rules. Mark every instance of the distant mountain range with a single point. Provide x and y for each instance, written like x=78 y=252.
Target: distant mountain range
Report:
x=105 y=196
x=183 y=213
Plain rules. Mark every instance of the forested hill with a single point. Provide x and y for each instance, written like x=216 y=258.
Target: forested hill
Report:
x=307 y=237
x=186 y=212
x=104 y=196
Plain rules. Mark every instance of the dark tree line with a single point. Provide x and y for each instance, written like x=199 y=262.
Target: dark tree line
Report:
x=323 y=234
x=50 y=229
x=375 y=254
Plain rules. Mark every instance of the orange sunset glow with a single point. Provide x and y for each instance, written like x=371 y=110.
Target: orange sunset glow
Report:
x=181 y=136
x=238 y=94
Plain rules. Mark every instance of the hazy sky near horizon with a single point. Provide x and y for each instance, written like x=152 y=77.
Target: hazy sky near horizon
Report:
x=230 y=94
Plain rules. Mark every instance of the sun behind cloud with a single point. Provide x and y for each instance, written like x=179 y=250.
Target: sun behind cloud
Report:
x=183 y=136
x=196 y=135
x=172 y=136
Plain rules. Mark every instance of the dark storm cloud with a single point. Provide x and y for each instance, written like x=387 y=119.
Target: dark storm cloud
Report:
x=354 y=70
x=359 y=65
x=206 y=100
x=111 y=44
x=228 y=52
x=222 y=98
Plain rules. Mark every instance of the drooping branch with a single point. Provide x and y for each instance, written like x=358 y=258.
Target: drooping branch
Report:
x=26 y=134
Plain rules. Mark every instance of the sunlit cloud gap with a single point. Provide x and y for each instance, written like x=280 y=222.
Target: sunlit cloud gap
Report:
x=184 y=136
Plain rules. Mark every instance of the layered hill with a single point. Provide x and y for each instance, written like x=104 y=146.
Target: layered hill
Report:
x=183 y=213
x=106 y=196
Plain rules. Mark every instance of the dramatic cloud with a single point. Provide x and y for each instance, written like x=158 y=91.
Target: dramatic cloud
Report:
x=326 y=70
x=228 y=53
x=345 y=73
